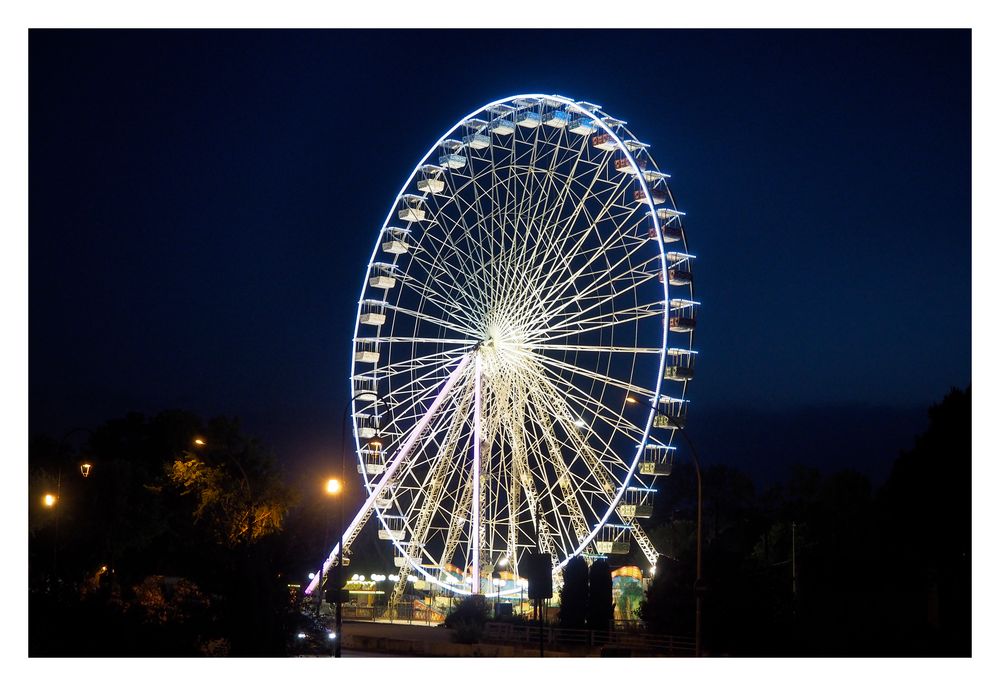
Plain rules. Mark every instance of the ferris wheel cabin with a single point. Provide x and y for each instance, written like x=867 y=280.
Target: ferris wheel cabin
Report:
x=373 y=312
x=394 y=528
x=383 y=276
x=637 y=503
x=366 y=351
x=394 y=240
x=431 y=180
x=683 y=315
x=657 y=460
x=680 y=364
x=613 y=539
x=412 y=208
x=672 y=413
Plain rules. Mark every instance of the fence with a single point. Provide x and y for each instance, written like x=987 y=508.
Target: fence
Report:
x=673 y=646
x=402 y=613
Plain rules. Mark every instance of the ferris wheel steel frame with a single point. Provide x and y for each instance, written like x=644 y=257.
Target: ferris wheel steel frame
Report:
x=437 y=390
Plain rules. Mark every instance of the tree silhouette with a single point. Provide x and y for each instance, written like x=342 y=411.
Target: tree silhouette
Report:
x=600 y=608
x=574 y=595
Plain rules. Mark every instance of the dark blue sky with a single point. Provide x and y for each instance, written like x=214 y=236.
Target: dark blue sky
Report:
x=203 y=204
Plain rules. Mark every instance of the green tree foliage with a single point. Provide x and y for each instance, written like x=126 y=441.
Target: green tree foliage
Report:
x=190 y=534
x=574 y=596
x=236 y=507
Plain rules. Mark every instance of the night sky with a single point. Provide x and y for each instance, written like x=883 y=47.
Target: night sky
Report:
x=203 y=205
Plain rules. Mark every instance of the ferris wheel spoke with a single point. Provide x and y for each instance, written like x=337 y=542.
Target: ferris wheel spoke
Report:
x=562 y=365
x=612 y=418
x=596 y=348
x=621 y=317
x=589 y=301
x=423 y=317
x=433 y=484
x=564 y=277
x=600 y=469
x=599 y=279
x=439 y=286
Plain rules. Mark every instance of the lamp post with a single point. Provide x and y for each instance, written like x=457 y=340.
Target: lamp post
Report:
x=333 y=488
x=698 y=588
x=377 y=444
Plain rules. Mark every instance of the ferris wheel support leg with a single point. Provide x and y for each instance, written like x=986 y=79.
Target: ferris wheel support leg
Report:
x=648 y=549
x=391 y=469
x=476 y=493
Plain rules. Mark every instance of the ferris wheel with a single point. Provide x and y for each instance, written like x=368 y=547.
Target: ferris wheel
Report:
x=530 y=281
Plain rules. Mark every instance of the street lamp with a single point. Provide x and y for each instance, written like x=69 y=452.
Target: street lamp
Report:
x=375 y=443
x=49 y=500
x=698 y=588
x=334 y=486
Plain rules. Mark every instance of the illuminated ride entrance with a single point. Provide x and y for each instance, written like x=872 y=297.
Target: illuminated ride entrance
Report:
x=532 y=274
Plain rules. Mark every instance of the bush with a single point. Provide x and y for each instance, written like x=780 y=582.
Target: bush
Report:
x=468 y=620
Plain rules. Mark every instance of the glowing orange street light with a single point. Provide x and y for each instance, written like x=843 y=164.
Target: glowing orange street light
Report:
x=333 y=486
x=85 y=469
x=49 y=500
x=199 y=441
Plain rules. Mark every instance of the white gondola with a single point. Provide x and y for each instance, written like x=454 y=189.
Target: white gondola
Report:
x=476 y=141
x=412 y=209
x=384 y=500
x=653 y=176
x=373 y=462
x=373 y=312
x=679 y=270
x=672 y=413
x=399 y=561
x=367 y=424
x=683 y=315
x=613 y=123
x=657 y=460
x=558 y=119
x=589 y=106
x=667 y=213
x=680 y=364
x=623 y=164
x=503 y=123
x=393 y=529
x=604 y=141
x=677 y=276
x=613 y=539
x=634 y=145
x=394 y=240
x=451 y=157
x=365 y=388
x=453 y=160
x=583 y=126
x=383 y=276
x=431 y=181
x=529 y=120
x=636 y=502
x=476 y=125
x=669 y=233
x=658 y=193
x=366 y=351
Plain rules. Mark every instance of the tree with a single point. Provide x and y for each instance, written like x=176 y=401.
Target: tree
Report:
x=601 y=606
x=573 y=598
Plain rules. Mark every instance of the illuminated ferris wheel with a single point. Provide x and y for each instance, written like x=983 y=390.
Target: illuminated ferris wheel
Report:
x=530 y=278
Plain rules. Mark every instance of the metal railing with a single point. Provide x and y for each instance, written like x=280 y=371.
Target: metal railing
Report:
x=674 y=646
x=401 y=613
